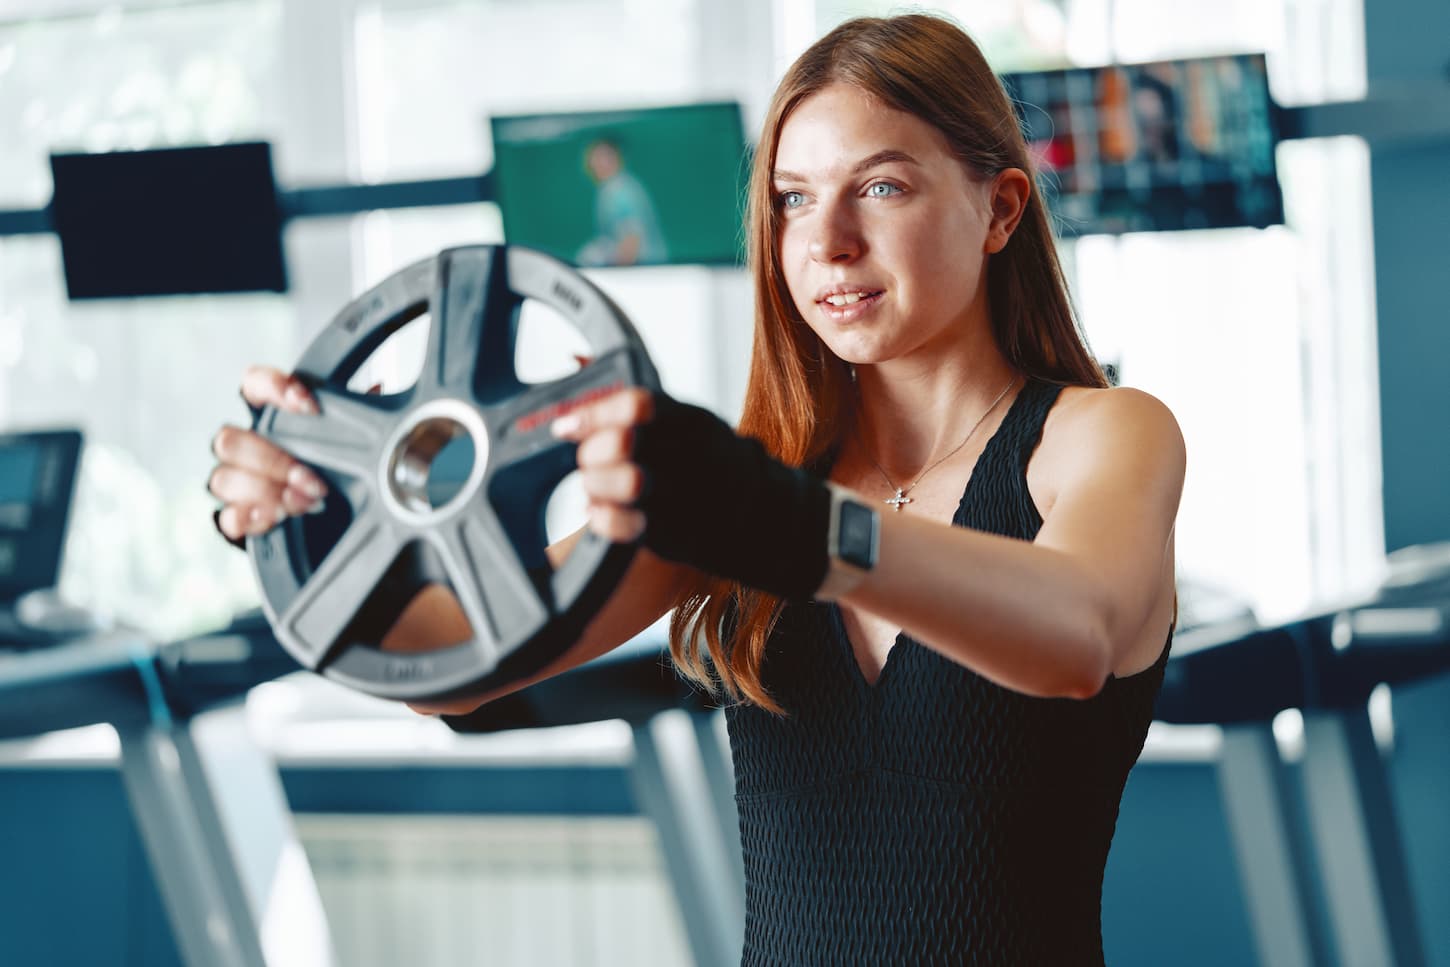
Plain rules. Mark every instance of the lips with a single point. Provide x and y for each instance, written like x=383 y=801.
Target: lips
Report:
x=844 y=304
x=840 y=296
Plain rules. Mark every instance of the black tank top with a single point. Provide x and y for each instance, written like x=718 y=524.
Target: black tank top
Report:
x=934 y=817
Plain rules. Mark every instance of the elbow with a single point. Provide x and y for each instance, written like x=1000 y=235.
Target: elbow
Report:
x=1083 y=689
x=1090 y=672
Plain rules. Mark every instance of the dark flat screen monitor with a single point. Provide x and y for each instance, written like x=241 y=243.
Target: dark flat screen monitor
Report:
x=169 y=221
x=37 y=480
x=1154 y=147
x=652 y=186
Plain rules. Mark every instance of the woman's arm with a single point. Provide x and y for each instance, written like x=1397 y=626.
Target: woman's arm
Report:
x=1056 y=616
x=1049 y=618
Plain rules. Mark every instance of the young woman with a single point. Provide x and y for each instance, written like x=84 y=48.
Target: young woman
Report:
x=933 y=573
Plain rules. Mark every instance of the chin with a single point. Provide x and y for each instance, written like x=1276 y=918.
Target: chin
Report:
x=854 y=353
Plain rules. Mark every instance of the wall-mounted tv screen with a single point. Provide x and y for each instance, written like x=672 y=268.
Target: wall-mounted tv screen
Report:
x=651 y=186
x=1154 y=147
x=169 y=221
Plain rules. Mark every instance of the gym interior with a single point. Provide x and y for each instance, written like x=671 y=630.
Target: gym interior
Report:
x=191 y=186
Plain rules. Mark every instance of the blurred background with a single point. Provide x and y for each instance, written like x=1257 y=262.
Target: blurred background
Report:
x=1294 y=321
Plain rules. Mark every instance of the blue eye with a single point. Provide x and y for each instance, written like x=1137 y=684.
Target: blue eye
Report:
x=890 y=189
x=791 y=199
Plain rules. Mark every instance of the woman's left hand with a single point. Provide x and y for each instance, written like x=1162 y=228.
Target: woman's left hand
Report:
x=678 y=479
x=605 y=431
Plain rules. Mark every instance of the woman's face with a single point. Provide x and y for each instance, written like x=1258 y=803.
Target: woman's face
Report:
x=883 y=234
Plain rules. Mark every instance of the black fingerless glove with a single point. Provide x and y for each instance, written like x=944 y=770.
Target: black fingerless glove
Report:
x=719 y=502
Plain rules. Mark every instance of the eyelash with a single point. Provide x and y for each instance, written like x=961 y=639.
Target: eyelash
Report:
x=896 y=189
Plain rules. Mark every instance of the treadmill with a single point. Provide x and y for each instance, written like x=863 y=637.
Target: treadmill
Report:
x=208 y=802
x=1325 y=664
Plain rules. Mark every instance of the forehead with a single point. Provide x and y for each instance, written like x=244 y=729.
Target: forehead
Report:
x=829 y=131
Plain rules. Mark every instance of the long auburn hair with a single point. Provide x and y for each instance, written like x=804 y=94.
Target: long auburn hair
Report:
x=798 y=399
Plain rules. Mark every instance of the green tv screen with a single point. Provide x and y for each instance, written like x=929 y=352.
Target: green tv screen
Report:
x=653 y=186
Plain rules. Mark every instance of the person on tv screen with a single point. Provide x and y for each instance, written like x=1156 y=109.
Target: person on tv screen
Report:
x=1155 y=108
x=626 y=229
x=930 y=573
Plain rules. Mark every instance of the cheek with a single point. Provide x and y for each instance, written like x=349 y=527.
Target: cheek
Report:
x=792 y=256
x=948 y=256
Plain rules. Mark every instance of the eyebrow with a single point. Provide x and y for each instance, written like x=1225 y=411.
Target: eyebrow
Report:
x=888 y=156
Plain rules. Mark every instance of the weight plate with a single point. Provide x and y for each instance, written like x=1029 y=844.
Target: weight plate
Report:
x=333 y=583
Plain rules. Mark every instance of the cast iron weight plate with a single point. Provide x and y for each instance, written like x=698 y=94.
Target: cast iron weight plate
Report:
x=332 y=584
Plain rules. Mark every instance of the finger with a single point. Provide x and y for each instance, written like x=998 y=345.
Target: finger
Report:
x=237 y=521
x=260 y=519
x=232 y=521
x=620 y=483
x=458 y=706
x=606 y=447
x=254 y=453
x=624 y=408
x=233 y=486
x=265 y=385
x=242 y=489
x=618 y=524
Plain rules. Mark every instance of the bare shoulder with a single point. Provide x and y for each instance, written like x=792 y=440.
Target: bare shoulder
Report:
x=1092 y=431
x=1124 y=414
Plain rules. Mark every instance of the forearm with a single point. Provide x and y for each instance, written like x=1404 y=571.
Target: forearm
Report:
x=1030 y=618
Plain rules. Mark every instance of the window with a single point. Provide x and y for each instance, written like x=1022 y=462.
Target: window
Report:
x=147 y=380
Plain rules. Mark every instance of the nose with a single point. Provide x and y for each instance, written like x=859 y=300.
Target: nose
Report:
x=837 y=237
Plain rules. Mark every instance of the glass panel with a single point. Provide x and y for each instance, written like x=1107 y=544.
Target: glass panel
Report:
x=198 y=74
x=1014 y=35
x=1315 y=47
x=148 y=380
x=429 y=77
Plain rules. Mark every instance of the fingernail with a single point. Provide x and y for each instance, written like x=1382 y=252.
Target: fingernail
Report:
x=306 y=481
x=264 y=519
x=317 y=507
x=566 y=425
x=300 y=399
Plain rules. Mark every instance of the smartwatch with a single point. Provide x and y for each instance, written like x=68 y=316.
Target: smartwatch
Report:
x=853 y=541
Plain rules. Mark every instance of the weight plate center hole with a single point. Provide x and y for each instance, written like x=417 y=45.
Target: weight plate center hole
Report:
x=433 y=463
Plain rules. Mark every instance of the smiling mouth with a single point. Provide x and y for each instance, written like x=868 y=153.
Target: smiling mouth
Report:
x=842 y=299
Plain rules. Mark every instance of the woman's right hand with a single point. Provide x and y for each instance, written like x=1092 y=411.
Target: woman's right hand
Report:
x=259 y=483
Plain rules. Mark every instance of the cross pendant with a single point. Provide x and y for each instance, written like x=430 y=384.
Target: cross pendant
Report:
x=899 y=500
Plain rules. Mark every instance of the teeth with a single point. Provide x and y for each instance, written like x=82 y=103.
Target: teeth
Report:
x=846 y=298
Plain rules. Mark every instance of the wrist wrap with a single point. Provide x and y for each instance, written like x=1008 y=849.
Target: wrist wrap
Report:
x=719 y=502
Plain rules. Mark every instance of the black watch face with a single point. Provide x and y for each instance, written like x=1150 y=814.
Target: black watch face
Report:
x=856 y=535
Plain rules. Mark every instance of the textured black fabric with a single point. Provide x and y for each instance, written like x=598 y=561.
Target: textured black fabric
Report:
x=764 y=524
x=935 y=817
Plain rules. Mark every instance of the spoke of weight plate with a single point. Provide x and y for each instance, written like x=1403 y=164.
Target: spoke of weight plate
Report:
x=336 y=591
x=518 y=428
x=471 y=335
x=492 y=586
x=344 y=438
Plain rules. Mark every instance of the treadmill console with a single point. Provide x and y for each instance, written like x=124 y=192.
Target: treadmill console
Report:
x=37 y=481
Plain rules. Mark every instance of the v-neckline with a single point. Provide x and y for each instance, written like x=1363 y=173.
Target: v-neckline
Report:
x=838 y=620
